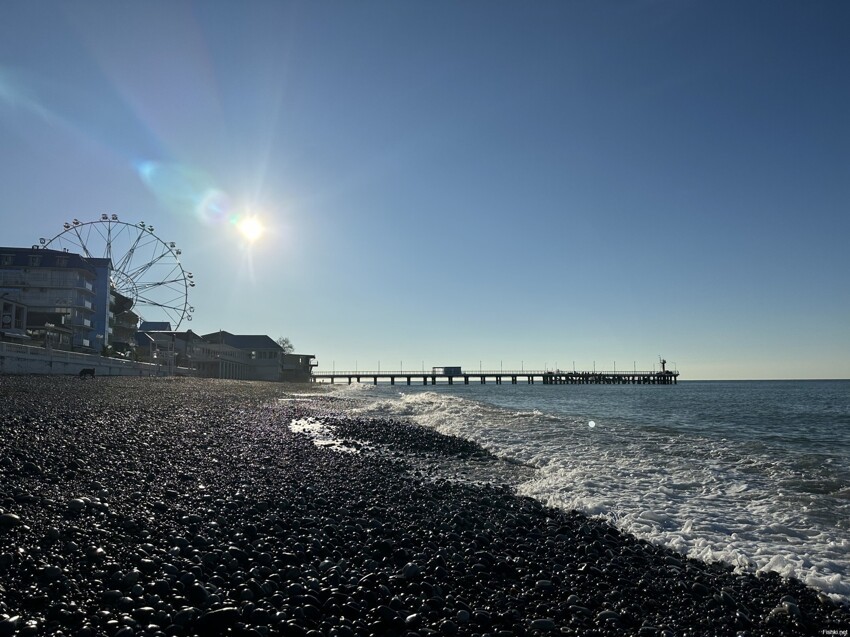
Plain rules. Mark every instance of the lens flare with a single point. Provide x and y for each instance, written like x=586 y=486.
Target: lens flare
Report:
x=213 y=206
x=184 y=189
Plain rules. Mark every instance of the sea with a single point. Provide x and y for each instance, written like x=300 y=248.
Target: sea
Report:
x=755 y=474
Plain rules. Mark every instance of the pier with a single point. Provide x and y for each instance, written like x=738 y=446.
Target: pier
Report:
x=453 y=376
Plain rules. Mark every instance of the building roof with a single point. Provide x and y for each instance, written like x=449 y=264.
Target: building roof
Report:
x=155 y=326
x=144 y=337
x=242 y=341
x=51 y=258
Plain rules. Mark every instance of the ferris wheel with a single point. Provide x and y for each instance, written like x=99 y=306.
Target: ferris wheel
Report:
x=145 y=269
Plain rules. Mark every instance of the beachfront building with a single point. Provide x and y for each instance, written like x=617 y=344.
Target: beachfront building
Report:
x=60 y=290
x=219 y=360
x=220 y=355
x=263 y=354
x=297 y=368
x=185 y=352
x=211 y=356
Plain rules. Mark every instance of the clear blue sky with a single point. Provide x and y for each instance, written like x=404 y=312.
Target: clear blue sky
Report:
x=515 y=183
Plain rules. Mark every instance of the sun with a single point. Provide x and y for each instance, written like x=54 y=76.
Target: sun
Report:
x=251 y=229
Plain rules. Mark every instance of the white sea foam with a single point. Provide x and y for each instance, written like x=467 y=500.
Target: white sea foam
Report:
x=710 y=499
x=321 y=434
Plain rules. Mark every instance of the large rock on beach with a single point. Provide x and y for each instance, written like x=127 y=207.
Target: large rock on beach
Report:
x=188 y=507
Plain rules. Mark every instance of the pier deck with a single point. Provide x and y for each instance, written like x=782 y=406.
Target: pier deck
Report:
x=499 y=377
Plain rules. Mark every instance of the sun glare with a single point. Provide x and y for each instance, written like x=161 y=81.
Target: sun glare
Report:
x=250 y=228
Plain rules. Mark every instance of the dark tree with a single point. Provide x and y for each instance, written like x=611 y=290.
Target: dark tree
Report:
x=285 y=344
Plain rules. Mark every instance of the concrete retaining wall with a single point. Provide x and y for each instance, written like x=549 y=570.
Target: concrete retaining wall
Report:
x=25 y=359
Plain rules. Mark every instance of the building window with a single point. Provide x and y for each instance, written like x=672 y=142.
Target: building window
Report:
x=35 y=260
x=62 y=262
x=6 y=259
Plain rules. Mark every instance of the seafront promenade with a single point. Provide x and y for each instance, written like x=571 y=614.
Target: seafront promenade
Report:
x=499 y=377
x=28 y=359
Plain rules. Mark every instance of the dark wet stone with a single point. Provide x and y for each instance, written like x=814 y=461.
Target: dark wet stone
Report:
x=125 y=603
x=185 y=616
x=543 y=624
x=217 y=621
x=413 y=620
x=130 y=579
x=385 y=613
x=51 y=572
x=292 y=629
x=31 y=468
x=482 y=618
x=411 y=570
x=742 y=619
x=10 y=520
x=608 y=616
x=197 y=594
x=9 y=625
x=111 y=596
x=700 y=590
x=544 y=585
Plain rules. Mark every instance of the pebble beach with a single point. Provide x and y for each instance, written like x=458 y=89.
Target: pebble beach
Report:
x=169 y=506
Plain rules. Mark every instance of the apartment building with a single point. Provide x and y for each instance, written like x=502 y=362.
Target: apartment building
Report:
x=60 y=290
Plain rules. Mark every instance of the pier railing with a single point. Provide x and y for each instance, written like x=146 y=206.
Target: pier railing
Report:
x=477 y=372
x=547 y=377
